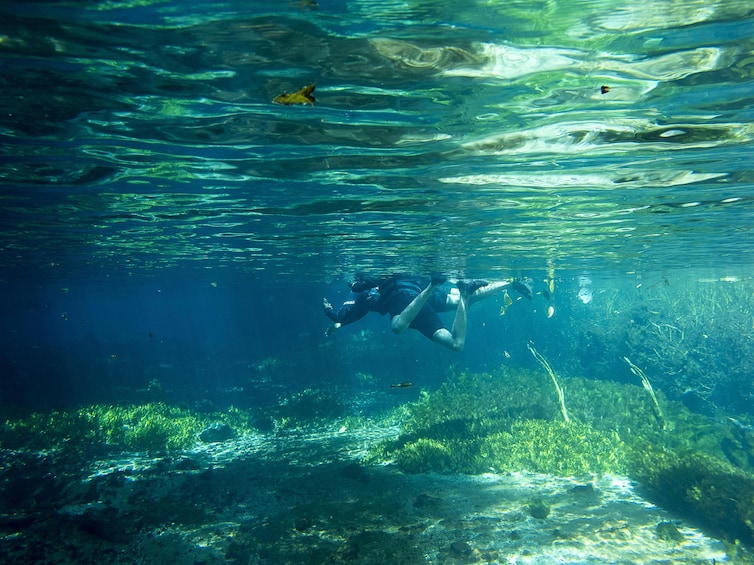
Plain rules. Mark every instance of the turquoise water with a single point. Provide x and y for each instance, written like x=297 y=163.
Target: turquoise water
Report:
x=468 y=137
x=168 y=233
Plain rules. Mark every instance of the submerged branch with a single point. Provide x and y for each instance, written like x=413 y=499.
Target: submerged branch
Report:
x=550 y=372
x=648 y=387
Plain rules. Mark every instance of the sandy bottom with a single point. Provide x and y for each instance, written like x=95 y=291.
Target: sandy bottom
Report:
x=305 y=498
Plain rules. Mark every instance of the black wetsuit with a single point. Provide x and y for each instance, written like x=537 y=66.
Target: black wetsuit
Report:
x=391 y=296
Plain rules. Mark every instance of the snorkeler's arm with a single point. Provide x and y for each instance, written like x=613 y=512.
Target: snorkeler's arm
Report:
x=351 y=310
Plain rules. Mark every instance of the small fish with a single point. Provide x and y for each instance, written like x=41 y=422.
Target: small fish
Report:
x=113 y=356
x=744 y=433
x=506 y=354
x=550 y=311
x=740 y=426
x=303 y=96
x=405 y=384
x=604 y=89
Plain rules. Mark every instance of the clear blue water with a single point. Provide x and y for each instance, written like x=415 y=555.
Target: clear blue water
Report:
x=472 y=138
x=162 y=219
x=151 y=187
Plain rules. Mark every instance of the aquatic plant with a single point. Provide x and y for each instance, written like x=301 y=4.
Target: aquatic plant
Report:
x=424 y=455
x=510 y=429
x=505 y=422
x=552 y=447
x=696 y=338
x=308 y=407
x=147 y=427
x=705 y=488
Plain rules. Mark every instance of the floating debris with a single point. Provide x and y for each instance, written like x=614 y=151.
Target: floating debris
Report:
x=507 y=301
x=303 y=96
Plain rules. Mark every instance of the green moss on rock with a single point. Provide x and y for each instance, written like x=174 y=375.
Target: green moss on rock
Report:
x=708 y=490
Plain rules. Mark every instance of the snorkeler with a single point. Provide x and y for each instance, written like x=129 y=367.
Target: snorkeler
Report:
x=412 y=303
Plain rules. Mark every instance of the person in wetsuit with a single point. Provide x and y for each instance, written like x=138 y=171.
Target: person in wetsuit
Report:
x=414 y=302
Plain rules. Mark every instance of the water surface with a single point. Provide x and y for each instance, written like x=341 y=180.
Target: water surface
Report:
x=466 y=137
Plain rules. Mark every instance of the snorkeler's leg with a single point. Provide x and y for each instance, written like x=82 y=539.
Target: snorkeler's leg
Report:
x=400 y=322
x=455 y=339
x=484 y=290
x=488 y=290
x=459 y=324
x=474 y=290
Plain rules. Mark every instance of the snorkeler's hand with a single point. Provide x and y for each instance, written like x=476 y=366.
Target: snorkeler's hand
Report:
x=326 y=304
x=331 y=329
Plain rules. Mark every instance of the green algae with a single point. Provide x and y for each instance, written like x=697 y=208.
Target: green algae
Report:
x=158 y=426
x=706 y=489
x=509 y=421
x=148 y=427
x=506 y=422
x=301 y=410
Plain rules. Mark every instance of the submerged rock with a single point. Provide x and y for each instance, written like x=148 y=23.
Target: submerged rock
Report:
x=669 y=532
x=539 y=509
x=460 y=548
x=425 y=500
x=217 y=432
x=303 y=523
x=102 y=522
x=356 y=472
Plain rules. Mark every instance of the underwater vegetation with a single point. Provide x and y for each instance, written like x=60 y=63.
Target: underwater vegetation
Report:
x=147 y=427
x=309 y=407
x=511 y=421
x=157 y=426
x=695 y=339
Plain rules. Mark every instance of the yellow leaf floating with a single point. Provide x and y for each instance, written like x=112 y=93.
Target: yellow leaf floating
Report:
x=507 y=301
x=303 y=96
